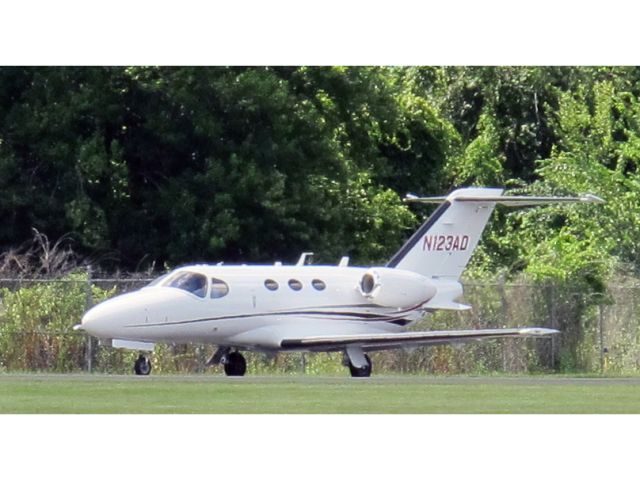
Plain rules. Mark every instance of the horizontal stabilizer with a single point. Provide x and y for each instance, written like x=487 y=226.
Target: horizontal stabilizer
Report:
x=374 y=341
x=510 y=201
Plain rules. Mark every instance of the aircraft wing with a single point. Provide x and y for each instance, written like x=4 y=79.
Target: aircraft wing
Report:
x=379 y=341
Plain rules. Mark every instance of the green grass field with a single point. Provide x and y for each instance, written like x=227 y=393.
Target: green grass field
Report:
x=50 y=393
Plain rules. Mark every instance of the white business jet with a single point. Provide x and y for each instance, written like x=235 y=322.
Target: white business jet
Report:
x=312 y=308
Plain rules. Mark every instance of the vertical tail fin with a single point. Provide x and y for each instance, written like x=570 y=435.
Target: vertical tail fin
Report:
x=443 y=245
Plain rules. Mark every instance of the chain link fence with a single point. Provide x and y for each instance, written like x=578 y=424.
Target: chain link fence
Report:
x=600 y=333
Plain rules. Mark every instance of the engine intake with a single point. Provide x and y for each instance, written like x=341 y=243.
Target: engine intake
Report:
x=368 y=283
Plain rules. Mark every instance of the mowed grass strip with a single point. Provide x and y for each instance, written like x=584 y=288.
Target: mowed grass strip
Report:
x=41 y=393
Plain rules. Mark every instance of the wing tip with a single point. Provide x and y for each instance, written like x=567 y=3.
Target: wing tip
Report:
x=538 y=331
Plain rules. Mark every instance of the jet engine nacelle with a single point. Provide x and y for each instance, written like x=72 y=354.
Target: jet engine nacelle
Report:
x=389 y=287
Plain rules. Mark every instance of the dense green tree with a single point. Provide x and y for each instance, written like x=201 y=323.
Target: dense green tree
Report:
x=146 y=165
x=245 y=164
x=596 y=151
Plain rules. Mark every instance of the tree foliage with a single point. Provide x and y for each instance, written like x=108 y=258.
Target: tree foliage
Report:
x=155 y=165
x=147 y=167
x=242 y=164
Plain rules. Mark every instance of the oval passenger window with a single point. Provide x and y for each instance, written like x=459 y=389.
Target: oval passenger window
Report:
x=295 y=284
x=271 y=284
x=318 y=284
x=218 y=288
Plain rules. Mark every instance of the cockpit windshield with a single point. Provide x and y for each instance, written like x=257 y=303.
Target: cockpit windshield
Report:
x=195 y=283
x=157 y=281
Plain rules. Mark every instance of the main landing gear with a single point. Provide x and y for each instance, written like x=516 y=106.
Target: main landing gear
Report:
x=142 y=365
x=358 y=362
x=233 y=362
x=363 y=371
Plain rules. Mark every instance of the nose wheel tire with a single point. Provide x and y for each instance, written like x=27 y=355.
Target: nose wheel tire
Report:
x=142 y=366
x=235 y=365
x=362 y=371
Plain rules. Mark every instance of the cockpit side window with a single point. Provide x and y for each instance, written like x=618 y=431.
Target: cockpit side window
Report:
x=218 y=288
x=195 y=283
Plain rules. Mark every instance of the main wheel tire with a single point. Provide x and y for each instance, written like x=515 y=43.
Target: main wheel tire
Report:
x=142 y=366
x=236 y=365
x=363 y=371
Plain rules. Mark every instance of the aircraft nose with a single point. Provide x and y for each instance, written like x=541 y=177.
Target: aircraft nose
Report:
x=90 y=316
x=111 y=318
x=104 y=320
x=93 y=319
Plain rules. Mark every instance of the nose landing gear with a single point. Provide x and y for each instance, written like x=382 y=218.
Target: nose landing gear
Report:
x=142 y=366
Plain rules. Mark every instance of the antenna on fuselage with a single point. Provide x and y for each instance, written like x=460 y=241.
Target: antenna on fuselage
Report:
x=305 y=259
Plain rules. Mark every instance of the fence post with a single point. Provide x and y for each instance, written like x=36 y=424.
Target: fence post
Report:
x=601 y=326
x=554 y=324
x=504 y=311
x=201 y=359
x=89 y=338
